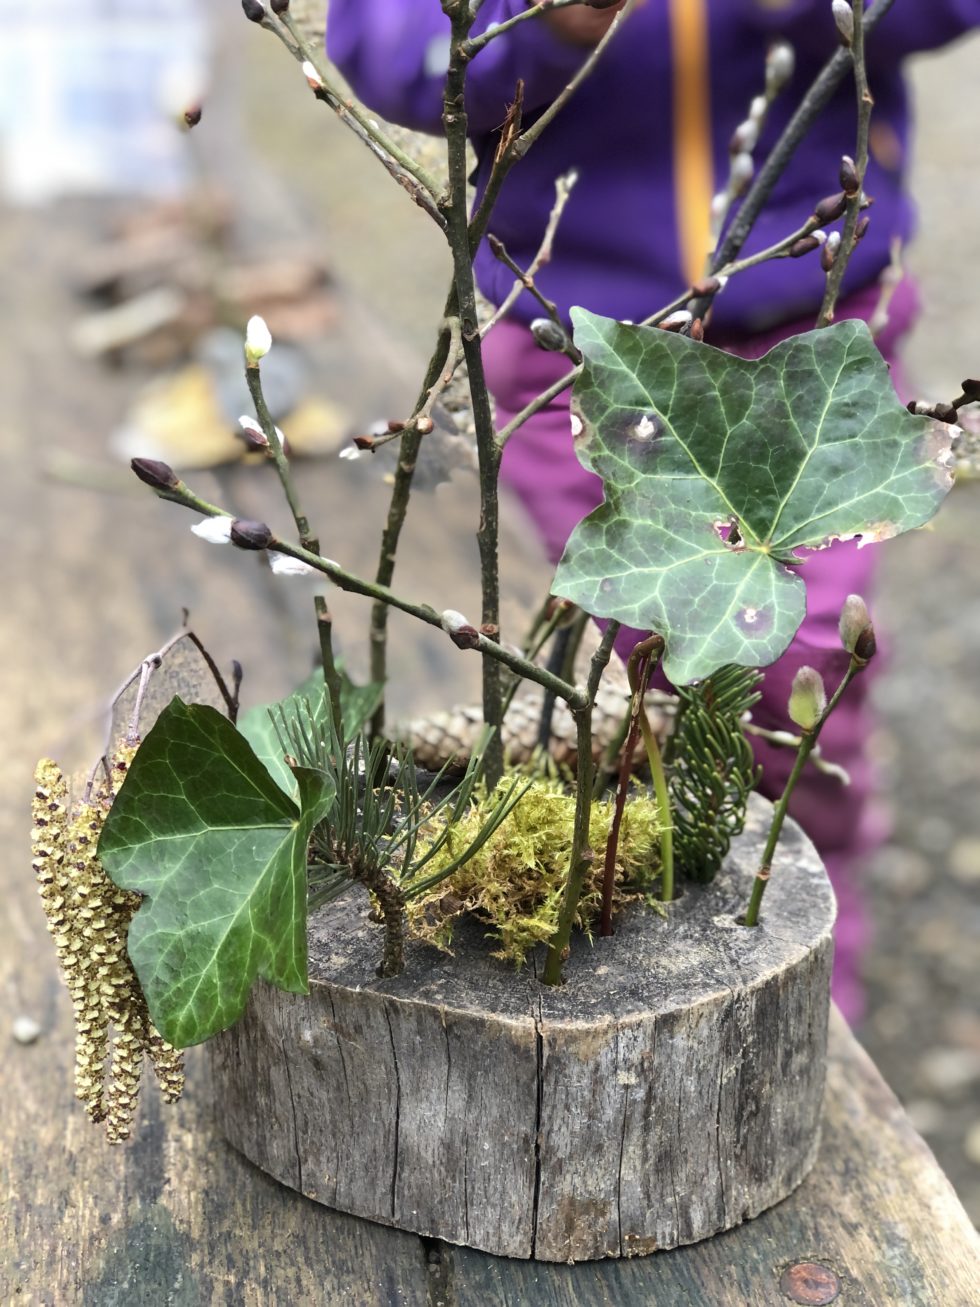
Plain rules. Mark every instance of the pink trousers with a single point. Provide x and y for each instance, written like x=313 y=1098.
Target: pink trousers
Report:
x=539 y=464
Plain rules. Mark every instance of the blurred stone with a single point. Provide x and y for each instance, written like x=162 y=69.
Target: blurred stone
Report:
x=971 y=1143
x=926 y=1115
x=951 y=1069
x=934 y=834
x=964 y=860
x=902 y=871
x=25 y=1030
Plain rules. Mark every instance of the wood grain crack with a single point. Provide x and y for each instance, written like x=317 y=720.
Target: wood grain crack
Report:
x=398 y=1108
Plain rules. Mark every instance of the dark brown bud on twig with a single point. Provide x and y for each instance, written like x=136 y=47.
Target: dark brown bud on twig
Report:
x=706 y=286
x=394 y=425
x=804 y=245
x=279 y=6
x=849 y=179
x=549 y=335
x=254 y=10
x=193 y=115
x=159 y=476
x=861 y=229
x=364 y=442
x=971 y=388
x=250 y=535
x=697 y=329
x=830 y=208
x=462 y=633
x=865 y=647
x=942 y=411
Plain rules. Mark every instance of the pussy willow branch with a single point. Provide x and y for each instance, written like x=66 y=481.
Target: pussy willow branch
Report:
x=779 y=250
x=582 y=856
x=865 y=104
x=423 y=411
x=397 y=511
x=810 y=109
x=344 y=580
x=525 y=277
x=475 y=44
x=307 y=539
x=518 y=147
x=423 y=188
x=456 y=214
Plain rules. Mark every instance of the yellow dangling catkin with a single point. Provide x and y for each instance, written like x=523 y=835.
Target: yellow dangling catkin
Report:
x=88 y=917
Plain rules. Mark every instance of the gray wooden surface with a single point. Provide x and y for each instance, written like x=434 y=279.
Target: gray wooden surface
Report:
x=91 y=582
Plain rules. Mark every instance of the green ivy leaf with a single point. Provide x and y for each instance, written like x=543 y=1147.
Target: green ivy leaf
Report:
x=200 y=828
x=804 y=446
x=357 y=704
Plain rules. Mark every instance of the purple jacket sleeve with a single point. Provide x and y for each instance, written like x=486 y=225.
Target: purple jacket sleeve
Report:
x=394 y=54
x=909 y=26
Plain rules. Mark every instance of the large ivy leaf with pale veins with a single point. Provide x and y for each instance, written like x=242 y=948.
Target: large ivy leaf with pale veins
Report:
x=200 y=828
x=717 y=469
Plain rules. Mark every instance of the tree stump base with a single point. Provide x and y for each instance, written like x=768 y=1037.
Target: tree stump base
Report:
x=670 y=1089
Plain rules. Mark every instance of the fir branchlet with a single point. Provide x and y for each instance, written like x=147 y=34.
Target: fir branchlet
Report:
x=713 y=770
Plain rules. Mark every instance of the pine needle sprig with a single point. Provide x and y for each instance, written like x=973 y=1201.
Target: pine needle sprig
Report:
x=713 y=769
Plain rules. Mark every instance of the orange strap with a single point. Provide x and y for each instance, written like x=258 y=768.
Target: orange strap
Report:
x=693 y=170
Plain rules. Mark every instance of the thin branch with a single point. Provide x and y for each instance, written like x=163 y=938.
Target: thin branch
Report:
x=849 y=238
x=421 y=186
x=271 y=433
x=582 y=856
x=475 y=44
x=525 y=279
x=810 y=109
x=422 y=416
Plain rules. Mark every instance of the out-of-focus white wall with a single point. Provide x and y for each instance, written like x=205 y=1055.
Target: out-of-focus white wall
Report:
x=90 y=91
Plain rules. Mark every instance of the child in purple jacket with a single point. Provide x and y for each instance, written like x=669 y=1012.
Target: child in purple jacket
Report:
x=648 y=134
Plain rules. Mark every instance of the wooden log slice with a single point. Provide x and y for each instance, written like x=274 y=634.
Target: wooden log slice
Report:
x=670 y=1089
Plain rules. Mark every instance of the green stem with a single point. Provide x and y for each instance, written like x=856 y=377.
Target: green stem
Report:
x=662 y=795
x=331 y=677
x=807 y=741
x=306 y=537
x=582 y=856
x=397 y=511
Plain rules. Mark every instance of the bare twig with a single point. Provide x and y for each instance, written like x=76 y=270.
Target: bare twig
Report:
x=849 y=236
x=420 y=185
x=525 y=279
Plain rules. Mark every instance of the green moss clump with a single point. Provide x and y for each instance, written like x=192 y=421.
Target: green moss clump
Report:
x=516 y=881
